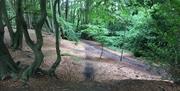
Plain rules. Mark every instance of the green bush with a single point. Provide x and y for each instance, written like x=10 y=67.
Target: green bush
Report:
x=93 y=31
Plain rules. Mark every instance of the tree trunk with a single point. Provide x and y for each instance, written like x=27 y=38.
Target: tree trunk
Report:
x=78 y=19
x=17 y=43
x=67 y=10
x=6 y=19
x=36 y=47
x=59 y=7
x=7 y=65
x=51 y=18
x=102 y=51
x=49 y=26
x=58 y=52
x=16 y=37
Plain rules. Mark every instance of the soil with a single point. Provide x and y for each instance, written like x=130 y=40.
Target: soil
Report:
x=47 y=84
x=83 y=70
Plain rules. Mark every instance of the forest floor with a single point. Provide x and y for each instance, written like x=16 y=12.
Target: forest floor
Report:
x=105 y=74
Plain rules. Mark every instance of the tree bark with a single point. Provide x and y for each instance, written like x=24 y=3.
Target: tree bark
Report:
x=6 y=19
x=36 y=47
x=16 y=37
x=7 y=65
x=58 y=51
x=67 y=10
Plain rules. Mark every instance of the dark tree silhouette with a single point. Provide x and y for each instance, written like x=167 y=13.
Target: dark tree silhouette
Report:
x=7 y=65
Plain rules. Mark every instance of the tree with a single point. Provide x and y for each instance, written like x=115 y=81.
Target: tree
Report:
x=17 y=36
x=67 y=10
x=58 y=52
x=7 y=66
x=36 y=47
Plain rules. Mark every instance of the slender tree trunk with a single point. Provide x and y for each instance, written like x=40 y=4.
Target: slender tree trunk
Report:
x=73 y=16
x=36 y=47
x=67 y=10
x=51 y=18
x=122 y=49
x=60 y=15
x=18 y=36
x=48 y=25
x=59 y=7
x=78 y=19
x=102 y=50
x=58 y=52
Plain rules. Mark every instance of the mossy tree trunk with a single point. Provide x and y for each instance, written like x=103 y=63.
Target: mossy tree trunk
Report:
x=16 y=37
x=7 y=65
x=58 y=52
x=36 y=47
x=19 y=33
x=6 y=19
x=66 y=10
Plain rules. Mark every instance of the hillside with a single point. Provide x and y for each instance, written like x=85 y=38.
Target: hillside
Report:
x=85 y=55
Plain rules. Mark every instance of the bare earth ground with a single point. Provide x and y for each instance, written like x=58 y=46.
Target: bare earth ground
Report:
x=108 y=73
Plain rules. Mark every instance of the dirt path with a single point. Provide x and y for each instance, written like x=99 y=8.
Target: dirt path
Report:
x=94 y=49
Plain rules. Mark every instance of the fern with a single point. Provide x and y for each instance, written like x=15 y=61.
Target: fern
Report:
x=69 y=30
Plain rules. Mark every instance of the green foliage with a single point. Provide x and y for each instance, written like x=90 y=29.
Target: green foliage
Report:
x=154 y=33
x=94 y=32
x=148 y=29
x=68 y=29
x=32 y=7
